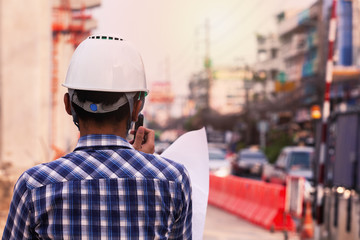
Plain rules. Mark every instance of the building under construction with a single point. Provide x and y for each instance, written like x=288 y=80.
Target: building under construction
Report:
x=37 y=39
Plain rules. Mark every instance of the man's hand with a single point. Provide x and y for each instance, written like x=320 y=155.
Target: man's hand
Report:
x=144 y=140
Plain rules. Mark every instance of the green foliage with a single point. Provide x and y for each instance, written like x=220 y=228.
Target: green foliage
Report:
x=191 y=123
x=276 y=141
x=240 y=145
x=188 y=125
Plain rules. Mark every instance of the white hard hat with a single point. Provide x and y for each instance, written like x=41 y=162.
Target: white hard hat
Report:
x=108 y=64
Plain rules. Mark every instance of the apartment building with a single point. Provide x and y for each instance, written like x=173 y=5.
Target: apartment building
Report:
x=199 y=86
x=227 y=92
x=268 y=64
x=303 y=53
x=294 y=62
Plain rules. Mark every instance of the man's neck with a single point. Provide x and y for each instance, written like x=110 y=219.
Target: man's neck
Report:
x=93 y=128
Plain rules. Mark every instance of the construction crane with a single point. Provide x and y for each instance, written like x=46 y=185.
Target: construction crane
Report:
x=78 y=28
x=70 y=24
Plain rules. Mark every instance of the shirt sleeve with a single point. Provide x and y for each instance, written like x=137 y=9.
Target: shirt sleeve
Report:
x=18 y=221
x=182 y=228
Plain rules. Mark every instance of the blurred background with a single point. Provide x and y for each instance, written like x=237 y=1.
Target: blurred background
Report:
x=252 y=72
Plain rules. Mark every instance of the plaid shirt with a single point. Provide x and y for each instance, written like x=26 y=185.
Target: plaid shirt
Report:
x=105 y=189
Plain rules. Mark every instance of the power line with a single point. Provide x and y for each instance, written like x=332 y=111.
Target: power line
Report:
x=262 y=23
x=232 y=10
x=241 y=20
x=186 y=55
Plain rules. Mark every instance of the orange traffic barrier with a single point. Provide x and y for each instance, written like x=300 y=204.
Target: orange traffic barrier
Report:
x=229 y=188
x=216 y=190
x=307 y=229
x=256 y=201
x=260 y=204
x=231 y=193
x=243 y=204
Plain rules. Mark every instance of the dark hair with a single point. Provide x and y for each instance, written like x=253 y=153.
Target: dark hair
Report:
x=106 y=98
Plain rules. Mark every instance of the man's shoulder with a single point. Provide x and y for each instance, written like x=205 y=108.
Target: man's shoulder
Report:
x=40 y=174
x=165 y=160
x=167 y=167
x=129 y=163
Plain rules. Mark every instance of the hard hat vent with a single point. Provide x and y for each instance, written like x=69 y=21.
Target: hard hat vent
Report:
x=106 y=38
x=104 y=62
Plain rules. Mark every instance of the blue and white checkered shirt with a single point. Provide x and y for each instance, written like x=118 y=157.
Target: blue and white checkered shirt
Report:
x=105 y=189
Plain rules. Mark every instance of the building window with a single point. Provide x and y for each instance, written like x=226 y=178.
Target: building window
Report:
x=262 y=56
x=274 y=53
x=274 y=74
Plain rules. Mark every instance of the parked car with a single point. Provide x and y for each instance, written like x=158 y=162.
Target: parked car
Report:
x=160 y=147
x=249 y=162
x=218 y=162
x=293 y=161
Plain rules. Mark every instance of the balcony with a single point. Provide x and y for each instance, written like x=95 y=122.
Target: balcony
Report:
x=303 y=20
x=312 y=39
x=310 y=68
x=295 y=47
x=269 y=64
x=267 y=42
x=294 y=70
x=288 y=25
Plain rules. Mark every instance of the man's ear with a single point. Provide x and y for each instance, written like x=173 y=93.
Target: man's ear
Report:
x=67 y=103
x=136 y=110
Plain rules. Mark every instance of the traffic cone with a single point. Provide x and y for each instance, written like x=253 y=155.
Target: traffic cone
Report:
x=307 y=230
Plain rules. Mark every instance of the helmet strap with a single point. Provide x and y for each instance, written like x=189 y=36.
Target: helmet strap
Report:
x=73 y=113
x=130 y=98
x=75 y=118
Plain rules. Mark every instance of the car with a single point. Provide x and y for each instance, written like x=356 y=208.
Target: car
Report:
x=160 y=147
x=219 y=164
x=249 y=162
x=292 y=161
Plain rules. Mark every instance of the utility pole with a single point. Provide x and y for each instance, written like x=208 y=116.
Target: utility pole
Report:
x=207 y=39
x=247 y=85
x=207 y=62
x=325 y=116
x=168 y=80
x=167 y=69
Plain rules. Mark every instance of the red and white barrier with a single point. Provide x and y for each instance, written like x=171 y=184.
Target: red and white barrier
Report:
x=258 y=202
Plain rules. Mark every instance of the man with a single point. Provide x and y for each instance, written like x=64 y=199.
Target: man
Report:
x=106 y=188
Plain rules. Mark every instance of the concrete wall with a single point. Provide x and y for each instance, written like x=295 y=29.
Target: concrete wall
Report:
x=25 y=73
x=25 y=77
x=65 y=132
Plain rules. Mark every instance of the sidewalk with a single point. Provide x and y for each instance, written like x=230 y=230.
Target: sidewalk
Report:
x=221 y=225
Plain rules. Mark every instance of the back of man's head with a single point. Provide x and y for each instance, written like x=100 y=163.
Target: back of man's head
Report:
x=101 y=98
x=106 y=76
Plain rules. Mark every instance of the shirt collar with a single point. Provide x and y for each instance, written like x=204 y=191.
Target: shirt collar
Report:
x=96 y=140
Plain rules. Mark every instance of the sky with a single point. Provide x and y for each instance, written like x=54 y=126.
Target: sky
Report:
x=171 y=35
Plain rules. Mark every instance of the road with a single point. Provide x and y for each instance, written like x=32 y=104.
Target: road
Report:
x=221 y=225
